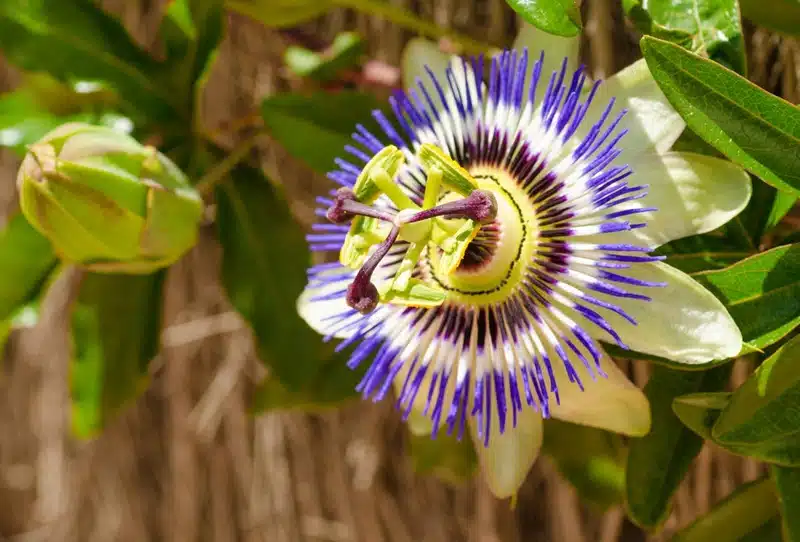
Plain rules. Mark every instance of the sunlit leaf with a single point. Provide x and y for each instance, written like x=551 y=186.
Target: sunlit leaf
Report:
x=741 y=516
x=560 y=17
x=27 y=259
x=761 y=418
x=658 y=462
x=762 y=294
x=592 y=460
x=707 y=27
x=750 y=126
x=316 y=128
x=116 y=324
x=280 y=13
x=28 y=265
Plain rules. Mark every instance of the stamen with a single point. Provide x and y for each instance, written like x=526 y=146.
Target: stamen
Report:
x=345 y=207
x=362 y=295
x=480 y=206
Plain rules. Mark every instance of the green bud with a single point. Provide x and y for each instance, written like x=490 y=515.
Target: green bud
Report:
x=107 y=202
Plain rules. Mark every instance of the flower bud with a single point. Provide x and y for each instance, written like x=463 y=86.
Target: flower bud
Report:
x=107 y=202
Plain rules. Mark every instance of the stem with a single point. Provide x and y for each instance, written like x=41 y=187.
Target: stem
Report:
x=224 y=167
x=401 y=17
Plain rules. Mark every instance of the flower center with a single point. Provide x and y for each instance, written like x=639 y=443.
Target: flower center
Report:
x=493 y=263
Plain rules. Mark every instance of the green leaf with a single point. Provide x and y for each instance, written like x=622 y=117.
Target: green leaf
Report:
x=27 y=260
x=192 y=31
x=741 y=515
x=280 y=13
x=779 y=15
x=264 y=263
x=700 y=411
x=762 y=294
x=701 y=253
x=559 y=17
x=78 y=40
x=707 y=27
x=592 y=460
x=344 y=52
x=751 y=127
x=782 y=203
x=659 y=461
x=787 y=482
x=449 y=459
x=332 y=383
x=316 y=128
x=761 y=418
x=116 y=325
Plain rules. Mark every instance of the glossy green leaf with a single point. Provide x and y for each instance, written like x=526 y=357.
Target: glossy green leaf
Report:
x=344 y=52
x=750 y=126
x=780 y=15
x=116 y=325
x=264 y=262
x=316 y=128
x=78 y=40
x=445 y=457
x=658 y=462
x=593 y=461
x=787 y=483
x=762 y=294
x=741 y=515
x=708 y=27
x=280 y=13
x=559 y=17
x=761 y=418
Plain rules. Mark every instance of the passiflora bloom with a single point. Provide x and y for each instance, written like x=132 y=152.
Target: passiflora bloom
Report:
x=499 y=228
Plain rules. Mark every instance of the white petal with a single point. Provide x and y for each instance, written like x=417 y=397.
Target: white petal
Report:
x=555 y=49
x=692 y=193
x=320 y=314
x=420 y=53
x=683 y=322
x=508 y=458
x=613 y=403
x=651 y=121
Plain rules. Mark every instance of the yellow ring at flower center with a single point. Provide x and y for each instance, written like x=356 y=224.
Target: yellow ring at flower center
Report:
x=495 y=280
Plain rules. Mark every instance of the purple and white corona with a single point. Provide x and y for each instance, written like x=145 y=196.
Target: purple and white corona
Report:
x=498 y=229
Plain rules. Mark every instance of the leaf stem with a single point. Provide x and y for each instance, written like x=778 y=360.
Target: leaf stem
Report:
x=221 y=170
x=402 y=17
